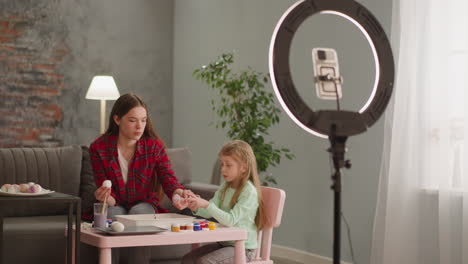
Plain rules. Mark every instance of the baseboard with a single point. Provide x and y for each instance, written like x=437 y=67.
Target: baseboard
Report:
x=300 y=256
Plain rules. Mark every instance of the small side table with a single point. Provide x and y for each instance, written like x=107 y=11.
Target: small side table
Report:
x=53 y=199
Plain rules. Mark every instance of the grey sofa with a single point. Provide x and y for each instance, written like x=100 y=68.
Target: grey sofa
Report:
x=39 y=237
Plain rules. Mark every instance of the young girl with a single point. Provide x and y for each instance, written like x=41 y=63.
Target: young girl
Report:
x=237 y=203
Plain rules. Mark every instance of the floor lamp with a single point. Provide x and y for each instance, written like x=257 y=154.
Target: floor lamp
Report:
x=103 y=88
x=336 y=125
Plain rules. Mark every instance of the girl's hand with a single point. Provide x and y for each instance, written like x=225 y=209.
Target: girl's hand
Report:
x=197 y=202
x=192 y=206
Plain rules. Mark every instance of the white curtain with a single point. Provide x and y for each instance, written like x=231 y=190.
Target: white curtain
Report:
x=422 y=207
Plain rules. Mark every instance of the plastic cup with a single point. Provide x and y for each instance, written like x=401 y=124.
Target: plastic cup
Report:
x=100 y=217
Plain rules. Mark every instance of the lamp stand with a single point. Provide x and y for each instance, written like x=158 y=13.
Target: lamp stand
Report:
x=103 y=116
x=337 y=150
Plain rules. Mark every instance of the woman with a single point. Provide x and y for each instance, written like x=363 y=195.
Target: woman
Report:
x=132 y=156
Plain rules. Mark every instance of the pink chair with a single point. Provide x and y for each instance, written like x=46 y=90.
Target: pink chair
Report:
x=273 y=200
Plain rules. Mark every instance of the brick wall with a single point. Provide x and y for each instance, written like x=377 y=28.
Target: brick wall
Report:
x=31 y=81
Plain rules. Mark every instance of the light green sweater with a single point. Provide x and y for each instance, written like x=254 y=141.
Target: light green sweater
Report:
x=241 y=215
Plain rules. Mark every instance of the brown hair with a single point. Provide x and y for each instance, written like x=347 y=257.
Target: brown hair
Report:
x=121 y=107
x=242 y=152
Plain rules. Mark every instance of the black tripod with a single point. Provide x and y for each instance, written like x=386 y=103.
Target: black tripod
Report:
x=337 y=150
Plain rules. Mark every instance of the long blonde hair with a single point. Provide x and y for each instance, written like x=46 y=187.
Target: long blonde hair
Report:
x=243 y=153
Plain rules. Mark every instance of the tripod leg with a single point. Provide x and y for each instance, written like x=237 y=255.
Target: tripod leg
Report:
x=337 y=219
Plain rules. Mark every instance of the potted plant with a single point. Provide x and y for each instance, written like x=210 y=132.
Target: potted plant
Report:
x=245 y=109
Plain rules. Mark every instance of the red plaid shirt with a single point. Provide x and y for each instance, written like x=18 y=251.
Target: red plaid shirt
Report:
x=149 y=161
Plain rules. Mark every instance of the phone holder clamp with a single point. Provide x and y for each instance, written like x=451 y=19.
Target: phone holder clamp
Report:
x=329 y=78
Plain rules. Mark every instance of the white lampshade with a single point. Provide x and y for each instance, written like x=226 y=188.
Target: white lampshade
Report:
x=103 y=88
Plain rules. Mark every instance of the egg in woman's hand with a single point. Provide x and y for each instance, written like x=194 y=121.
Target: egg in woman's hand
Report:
x=107 y=183
x=117 y=226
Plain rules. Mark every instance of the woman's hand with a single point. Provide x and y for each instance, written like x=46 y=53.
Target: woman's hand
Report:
x=189 y=194
x=184 y=193
x=179 y=202
x=180 y=198
x=101 y=194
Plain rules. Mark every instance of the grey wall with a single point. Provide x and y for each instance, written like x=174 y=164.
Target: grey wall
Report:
x=131 y=40
x=206 y=28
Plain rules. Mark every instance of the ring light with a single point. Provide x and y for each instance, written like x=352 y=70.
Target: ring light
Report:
x=337 y=125
x=320 y=123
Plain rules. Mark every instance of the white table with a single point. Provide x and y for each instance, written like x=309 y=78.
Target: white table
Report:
x=106 y=242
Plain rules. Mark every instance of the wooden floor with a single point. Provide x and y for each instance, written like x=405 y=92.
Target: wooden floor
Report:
x=278 y=260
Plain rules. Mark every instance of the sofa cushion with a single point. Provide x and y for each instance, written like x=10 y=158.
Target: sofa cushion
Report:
x=87 y=186
x=181 y=161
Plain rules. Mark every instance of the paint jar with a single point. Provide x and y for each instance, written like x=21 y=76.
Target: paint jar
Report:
x=175 y=228
x=211 y=225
